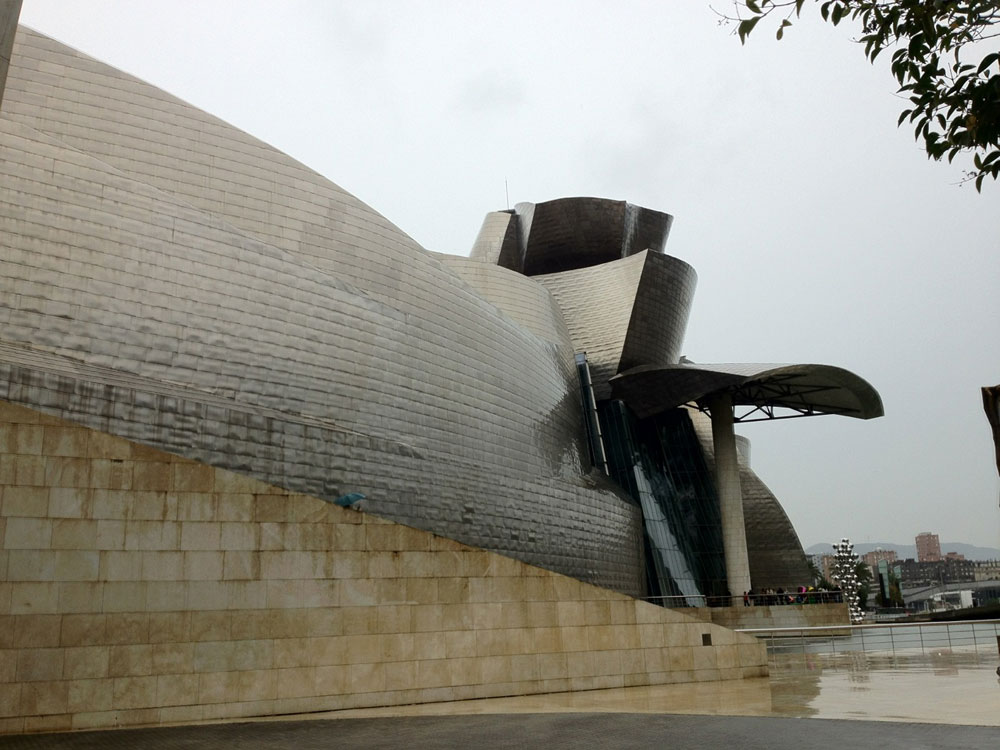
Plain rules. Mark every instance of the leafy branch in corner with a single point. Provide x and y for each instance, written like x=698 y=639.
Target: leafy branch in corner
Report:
x=944 y=59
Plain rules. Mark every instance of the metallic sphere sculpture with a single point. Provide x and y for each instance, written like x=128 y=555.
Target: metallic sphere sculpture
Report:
x=843 y=573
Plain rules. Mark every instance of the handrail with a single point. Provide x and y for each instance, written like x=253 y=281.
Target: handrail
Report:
x=784 y=599
x=865 y=626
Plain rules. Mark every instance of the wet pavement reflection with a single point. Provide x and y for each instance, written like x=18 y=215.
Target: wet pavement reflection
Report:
x=942 y=686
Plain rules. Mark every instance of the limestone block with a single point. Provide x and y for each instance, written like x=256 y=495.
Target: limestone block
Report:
x=110 y=535
x=209 y=626
x=73 y=533
x=31 y=502
x=134 y=692
x=50 y=697
x=552 y=666
x=262 y=684
x=83 y=630
x=86 y=695
x=128 y=627
x=34 y=598
x=575 y=638
x=203 y=565
x=433 y=673
x=297 y=682
x=705 y=657
x=196 y=535
x=10 y=702
x=80 y=596
x=157 y=535
x=151 y=475
x=65 y=441
x=35 y=631
x=241 y=565
x=113 y=474
x=524 y=668
x=166 y=596
x=607 y=662
x=61 y=471
x=86 y=662
x=597 y=612
x=27 y=533
x=162 y=565
x=53 y=723
x=69 y=502
x=242 y=595
x=348 y=537
x=103 y=445
x=182 y=714
x=39 y=664
x=7 y=469
x=233 y=505
x=191 y=477
x=28 y=439
x=239 y=536
x=460 y=644
x=426 y=618
x=195 y=506
x=8 y=665
x=176 y=689
x=133 y=660
x=423 y=590
x=429 y=646
x=124 y=596
x=400 y=675
x=169 y=627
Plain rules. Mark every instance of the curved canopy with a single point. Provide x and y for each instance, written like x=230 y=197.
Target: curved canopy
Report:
x=804 y=388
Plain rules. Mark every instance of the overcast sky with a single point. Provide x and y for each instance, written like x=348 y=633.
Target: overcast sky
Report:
x=819 y=231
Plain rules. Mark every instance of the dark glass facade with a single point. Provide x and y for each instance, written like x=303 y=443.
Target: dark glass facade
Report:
x=660 y=463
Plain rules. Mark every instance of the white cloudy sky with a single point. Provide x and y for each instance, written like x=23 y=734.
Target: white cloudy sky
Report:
x=820 y=232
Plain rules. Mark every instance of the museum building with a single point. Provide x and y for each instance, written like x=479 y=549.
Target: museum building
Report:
x=176 y=288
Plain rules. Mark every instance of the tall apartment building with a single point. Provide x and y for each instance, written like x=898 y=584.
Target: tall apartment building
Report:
x=928 y=547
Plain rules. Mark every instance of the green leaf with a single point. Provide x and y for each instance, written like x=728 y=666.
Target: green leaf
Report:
x=746 y=27
x=752 y=6
x=987 y=61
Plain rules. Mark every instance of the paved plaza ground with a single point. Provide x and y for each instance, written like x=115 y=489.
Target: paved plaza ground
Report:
x=550 y=731
x=941 y=699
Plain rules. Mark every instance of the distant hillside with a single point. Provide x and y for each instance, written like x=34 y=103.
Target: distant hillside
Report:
x=905 y=551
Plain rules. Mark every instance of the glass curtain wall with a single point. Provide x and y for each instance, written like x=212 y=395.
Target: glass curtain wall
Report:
x=659 y=462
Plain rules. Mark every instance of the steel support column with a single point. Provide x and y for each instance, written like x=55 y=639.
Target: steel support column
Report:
x=727 y=480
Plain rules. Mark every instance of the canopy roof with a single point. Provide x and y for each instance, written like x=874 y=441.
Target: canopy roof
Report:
x=805 y=389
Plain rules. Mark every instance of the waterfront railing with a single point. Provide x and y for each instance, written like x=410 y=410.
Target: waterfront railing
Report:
x=896 y=638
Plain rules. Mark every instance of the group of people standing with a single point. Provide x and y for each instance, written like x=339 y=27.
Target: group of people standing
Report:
x=804 y=595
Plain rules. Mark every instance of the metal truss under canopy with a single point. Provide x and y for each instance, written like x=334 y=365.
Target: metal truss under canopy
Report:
x=758 y=391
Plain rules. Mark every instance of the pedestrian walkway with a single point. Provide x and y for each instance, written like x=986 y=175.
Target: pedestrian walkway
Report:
x=934 y=700
x=549 y=731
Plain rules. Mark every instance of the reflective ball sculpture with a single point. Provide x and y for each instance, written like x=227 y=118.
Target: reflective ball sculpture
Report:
x=845 y=561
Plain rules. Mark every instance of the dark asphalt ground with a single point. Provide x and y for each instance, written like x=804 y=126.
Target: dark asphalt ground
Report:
x=549 y=731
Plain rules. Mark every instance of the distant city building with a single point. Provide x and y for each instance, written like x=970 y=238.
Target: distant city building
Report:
x=986 y=570
x=928 y=547
x=954 y=556
x=916 y=573
x=825 y=564
x=872 y=558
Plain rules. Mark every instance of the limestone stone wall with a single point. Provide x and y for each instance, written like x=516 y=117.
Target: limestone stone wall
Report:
x=787 y=616
x=137 y=587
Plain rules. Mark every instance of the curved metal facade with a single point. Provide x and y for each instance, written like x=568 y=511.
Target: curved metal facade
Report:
x=170 y=279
